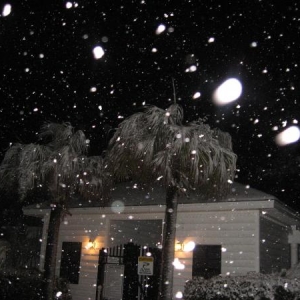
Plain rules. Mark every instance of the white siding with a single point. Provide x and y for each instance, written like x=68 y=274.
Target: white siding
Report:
x=233 y=224
x=140 y=232
x=235 y=231
x=80 y=227
x=274 y=246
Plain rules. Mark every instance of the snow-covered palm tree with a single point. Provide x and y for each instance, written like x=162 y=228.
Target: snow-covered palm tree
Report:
x=58 y=162
x=153 y=145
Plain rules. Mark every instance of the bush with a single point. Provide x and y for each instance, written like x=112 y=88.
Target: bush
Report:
x=252 y=286
x=29 y=285
x=26 y=286
x=62 y=287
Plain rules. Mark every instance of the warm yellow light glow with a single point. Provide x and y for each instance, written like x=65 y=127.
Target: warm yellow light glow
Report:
x=189 y=246
x=185 y=246
x=90 y=245
x=178 y=246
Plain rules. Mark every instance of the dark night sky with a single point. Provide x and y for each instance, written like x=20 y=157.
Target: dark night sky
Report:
x=48 y=70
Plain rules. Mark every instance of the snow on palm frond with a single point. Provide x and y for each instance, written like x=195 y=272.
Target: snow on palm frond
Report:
x=154 y=144
x=224 y=138
x=59 y=135
x=9 y=167
x=78 y=142
x=174 y=114
x=11 y=156
x=56 y=131
x=154 y=117
x=55 y=163
x=32 y=157
x=94 y=178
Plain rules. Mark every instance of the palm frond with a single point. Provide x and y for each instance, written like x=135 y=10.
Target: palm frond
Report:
x=155 y=144
x=58 y=162
x=78 y=142
x=224 y=138
x=9 y=167
x=57 y=134
x=94 y=179
x=30 y=169
x=175 y=114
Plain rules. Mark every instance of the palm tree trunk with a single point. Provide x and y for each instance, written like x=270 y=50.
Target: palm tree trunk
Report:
x=166 y=273
x=51 y=251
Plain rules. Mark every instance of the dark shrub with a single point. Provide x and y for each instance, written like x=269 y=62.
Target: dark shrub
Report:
x=24 y=286
x=282 y=294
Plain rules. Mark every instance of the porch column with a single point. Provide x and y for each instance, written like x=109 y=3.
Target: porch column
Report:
x=294 y=241
x=294 y=254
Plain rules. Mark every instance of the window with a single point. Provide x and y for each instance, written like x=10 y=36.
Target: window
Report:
x=70 y=261
x=206 y=261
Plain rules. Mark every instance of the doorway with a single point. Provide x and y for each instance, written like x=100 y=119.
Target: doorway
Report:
x=118 y=274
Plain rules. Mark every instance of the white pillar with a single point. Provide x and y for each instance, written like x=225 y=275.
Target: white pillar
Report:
x=294 y=254
x=44 y=241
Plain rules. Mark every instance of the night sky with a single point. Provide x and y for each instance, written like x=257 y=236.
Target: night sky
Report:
x=49 y=73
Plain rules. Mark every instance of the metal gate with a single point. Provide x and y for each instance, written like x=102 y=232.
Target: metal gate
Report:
x=118 y=273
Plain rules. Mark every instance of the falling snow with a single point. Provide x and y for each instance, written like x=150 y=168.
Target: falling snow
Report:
x=94 y=64
x=98 y=52
x=230 y=90
x=6 y=10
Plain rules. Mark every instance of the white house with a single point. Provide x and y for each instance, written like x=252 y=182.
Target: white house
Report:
x=248 y=231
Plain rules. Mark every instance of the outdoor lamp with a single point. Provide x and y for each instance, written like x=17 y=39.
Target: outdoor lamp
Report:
x=186 y=247
x=189 y=246
x=178 y=246
x=90 y=244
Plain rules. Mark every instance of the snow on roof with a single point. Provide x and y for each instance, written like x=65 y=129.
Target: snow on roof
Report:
x=133 y=195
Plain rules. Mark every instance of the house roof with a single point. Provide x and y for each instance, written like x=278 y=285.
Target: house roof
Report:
x=131 y=194
x=140 y=198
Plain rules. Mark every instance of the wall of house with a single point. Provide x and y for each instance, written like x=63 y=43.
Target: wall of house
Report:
x=80 y=227
x=236 y=231
x=140 y=232
x=274 y=247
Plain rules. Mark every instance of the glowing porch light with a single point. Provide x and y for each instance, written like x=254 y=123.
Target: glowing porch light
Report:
x=188 y=247
x=90 y=244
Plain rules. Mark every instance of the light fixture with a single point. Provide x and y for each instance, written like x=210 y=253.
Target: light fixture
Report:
x=90 y=244
x=189 y=246
x=178 y=246
x=186 y=247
